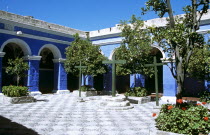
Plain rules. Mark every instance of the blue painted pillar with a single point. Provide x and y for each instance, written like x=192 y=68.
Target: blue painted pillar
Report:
x=88 y=80
x=60 y=77
x=137 y=80
x=33 y=74
x=169 y=83
x=1 y=57
x=207 y=85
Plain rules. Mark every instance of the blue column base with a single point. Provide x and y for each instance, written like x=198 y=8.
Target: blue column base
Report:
x=61 y=91
x=33 y=73
x=34 y=93
x=207 y=85
x=137 y=80
x=60 y=75
x=169 y=83
x=88 y=80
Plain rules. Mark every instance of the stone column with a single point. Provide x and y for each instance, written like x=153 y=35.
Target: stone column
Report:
x=1 y=57
x=137 y=80
x=169 y=86
x=33 y=74
x=60 y=77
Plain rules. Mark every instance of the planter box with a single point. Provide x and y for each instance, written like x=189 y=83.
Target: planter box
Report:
x=139 y=100
x=16 y=100
x=85 y=94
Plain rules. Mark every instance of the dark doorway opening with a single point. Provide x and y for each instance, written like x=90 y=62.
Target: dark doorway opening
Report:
x=150 y=82
x=46 y=71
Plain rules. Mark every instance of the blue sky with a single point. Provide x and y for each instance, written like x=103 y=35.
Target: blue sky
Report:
x=84 y=15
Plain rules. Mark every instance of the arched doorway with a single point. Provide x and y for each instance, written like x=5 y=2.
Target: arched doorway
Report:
x=12 y=51
x=46 y=71
x=150 y=82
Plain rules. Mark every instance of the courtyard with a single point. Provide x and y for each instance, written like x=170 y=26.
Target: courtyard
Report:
x=55 y=114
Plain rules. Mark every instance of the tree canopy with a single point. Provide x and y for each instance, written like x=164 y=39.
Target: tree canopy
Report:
x=89 y=55
x=17 y=67
x=135 y=48
x=179 y=38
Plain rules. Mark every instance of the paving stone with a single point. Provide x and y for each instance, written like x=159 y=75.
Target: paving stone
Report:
x=63 y=115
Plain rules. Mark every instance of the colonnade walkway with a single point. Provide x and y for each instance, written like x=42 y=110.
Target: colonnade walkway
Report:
x=64 y=115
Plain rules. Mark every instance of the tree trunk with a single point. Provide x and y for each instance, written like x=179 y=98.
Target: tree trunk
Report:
x=18 y=79
x=180 y=74
x=170 y=13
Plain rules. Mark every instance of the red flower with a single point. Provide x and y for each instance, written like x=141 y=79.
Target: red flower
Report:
x=184 y=108
x=180 y=101
x=203 y=103
x=154 y=114
x=170 y=107
x=205 y=118
x=198 y=104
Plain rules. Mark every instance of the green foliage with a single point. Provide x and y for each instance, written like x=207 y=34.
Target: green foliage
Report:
x=15 y=91
x=137 y=92
x=135 y=49
x=89 y=55
x=199 y=63
x=159 y=6
x=187 y=119
x=205 y=96
x=86 y=88
x=17 y=67
x=179 y=38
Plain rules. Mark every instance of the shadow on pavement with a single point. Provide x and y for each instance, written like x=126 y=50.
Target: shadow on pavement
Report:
x=7 y=127
x=42 y=100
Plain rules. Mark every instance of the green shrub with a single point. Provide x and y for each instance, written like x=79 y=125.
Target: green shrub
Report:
x=15 y=91
x=136 y=92
x=184 y=119
x=205 y=96
x=86 y=88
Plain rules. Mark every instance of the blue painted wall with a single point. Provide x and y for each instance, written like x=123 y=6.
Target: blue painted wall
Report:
x=42 y=34
x=34 y=44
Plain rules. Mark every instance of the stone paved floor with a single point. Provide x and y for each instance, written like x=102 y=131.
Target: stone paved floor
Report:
x=63 y=115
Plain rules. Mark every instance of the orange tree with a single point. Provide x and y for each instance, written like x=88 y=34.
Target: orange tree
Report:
x=179 y=38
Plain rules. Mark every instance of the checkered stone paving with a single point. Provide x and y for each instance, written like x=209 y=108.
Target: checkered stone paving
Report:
x=64 y=115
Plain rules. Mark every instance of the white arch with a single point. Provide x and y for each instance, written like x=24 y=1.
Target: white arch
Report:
x=160 y=49
x=112 y=53
x=22 y=44
x=56 y=52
